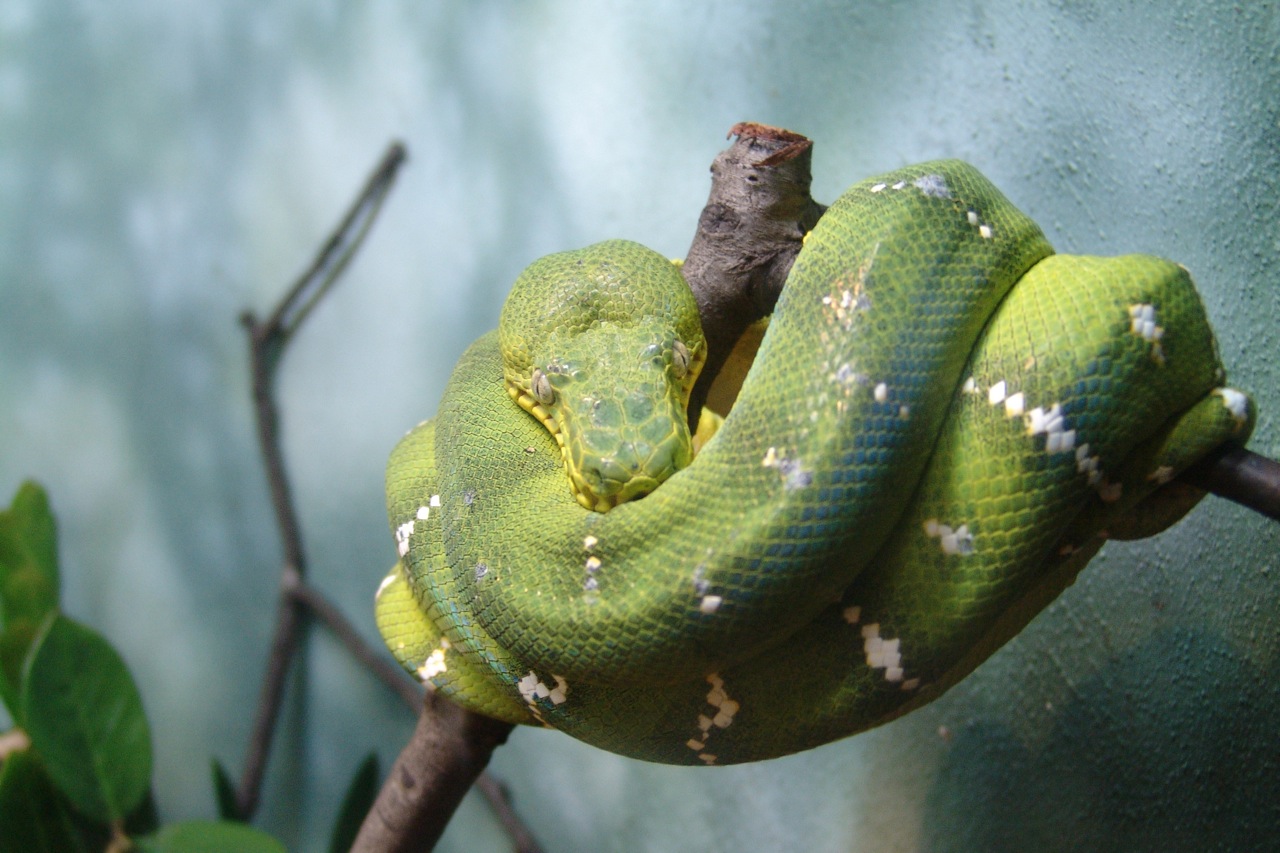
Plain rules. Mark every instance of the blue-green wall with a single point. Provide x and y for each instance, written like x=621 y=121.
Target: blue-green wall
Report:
x=165 y=164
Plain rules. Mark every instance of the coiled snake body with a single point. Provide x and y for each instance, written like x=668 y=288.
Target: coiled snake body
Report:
x=943 y=423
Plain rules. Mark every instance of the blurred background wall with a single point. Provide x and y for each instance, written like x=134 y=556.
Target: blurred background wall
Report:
x=165 y=164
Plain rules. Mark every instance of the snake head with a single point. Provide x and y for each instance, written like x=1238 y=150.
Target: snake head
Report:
x=603 y=346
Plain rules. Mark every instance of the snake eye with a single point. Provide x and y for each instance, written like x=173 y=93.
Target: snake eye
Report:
x=540 y=387
x=680 y=359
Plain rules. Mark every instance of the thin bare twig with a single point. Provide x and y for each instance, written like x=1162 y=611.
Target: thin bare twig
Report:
x=266 y=344
x=268 y=340
x=374 y=660
x=500 y=801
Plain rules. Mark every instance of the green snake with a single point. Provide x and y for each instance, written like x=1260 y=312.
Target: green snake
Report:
x=942 y=425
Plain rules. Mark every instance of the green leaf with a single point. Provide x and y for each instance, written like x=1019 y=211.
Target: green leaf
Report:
x=30 y=511
x=206 y=836
x=225 y=791
x=34 y=817
x=28 y=583
x=143 y=819
x=85 y=719
x=355 y=805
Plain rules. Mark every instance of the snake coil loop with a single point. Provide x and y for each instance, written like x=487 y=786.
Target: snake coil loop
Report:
x=943 y=424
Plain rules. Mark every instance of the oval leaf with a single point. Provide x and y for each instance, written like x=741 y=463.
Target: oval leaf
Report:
x=85 y=719
x=225 y=793
x=30 y=512
x=33 y=816
x=361 y=793
x=28 y=583
x=206 y=836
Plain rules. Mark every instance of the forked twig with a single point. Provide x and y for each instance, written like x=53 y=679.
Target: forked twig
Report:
x=267 y=342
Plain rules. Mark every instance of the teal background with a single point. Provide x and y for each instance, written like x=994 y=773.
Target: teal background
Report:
x=165 y=164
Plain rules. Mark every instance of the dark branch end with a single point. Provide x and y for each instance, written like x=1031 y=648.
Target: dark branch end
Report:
x=748 y=235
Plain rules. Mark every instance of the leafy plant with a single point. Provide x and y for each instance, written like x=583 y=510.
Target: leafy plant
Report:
x=77 y=774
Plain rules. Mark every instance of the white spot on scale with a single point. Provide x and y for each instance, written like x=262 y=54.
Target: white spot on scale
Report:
x=1060 y=442
x=986 y=232
x=593 y=564
x=958 y=541
x=1161 y=475
x=1087 y=463
x=900 y=185
x=700 y=583
x=403 y=532
x=710 y=603
x=532 y=688
x=1143 y=324
x=724 y=717
x=934 y=186
x=884 y=654
x=1039 y=420
x=973 y=218
x=589 y=543
x=435 y=500
x=1013 y=404
x=878 y=188
x=434 y=664
x=881 y=393
x=1052 y=423
x=1058 y=439
x=996 y=393
x=1236 y=402
x=970 y=386
x=852 y=614
x=424 y=513
x=726 y=709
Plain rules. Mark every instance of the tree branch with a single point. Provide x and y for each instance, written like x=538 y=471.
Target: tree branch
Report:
x=448 y=750
x=1242 y=476
x=748 y=235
